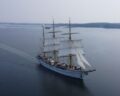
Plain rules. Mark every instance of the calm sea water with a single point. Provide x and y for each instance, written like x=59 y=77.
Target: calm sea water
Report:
x=20 y=74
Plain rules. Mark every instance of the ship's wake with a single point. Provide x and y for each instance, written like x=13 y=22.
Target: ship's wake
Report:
x=18 y=52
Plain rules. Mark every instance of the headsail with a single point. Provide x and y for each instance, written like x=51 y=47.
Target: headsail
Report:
x=79 y=62
x=84 y=60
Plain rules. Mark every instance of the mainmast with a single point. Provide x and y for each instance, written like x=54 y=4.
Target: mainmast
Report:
x=54 y=51
x=70 y=38
x=70 y=30
x=53 y=29
x=72 y=48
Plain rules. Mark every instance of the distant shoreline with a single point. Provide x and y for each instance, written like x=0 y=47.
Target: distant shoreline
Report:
x=86 y=25
x=95 y=25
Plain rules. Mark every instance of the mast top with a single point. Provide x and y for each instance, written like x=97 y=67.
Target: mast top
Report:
x=70 y=37
x=43 y=28
x=53 y=29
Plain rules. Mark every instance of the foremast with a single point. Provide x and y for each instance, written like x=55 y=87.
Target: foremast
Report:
x=51 y=45
x=43 y=41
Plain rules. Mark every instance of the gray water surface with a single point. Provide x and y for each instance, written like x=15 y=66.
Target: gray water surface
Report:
x=21 y=75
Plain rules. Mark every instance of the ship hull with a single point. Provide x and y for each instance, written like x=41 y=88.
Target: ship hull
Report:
x=77 y=74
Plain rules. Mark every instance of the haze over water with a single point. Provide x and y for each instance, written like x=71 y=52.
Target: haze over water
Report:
x=20 y=74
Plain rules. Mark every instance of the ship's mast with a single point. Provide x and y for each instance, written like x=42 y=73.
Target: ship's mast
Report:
x=70 y=48
x=43 y=28
x=51 y=44
x=70 y=38
x=54 y=51
x=53 y=29
x=43 y=35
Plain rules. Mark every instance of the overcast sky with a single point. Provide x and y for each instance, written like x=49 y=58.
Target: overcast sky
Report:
x=40 y=11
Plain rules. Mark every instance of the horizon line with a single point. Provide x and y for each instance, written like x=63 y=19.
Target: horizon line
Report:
x=55 y=23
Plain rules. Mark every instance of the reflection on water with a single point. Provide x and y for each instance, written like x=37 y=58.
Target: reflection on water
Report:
x=57 y=85
x=17 y=52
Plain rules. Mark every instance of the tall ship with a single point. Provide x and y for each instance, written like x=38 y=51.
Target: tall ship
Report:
x=64 y=55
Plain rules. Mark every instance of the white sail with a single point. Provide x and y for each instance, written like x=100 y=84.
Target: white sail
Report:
x=52 y=41
x=79 y=62
x=82 y=52
x=66 y=44
x=66 y=52
x=84 y=60
x=51 y=44
x=50 y=48
x=69 y=47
